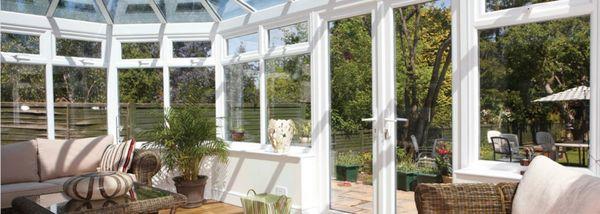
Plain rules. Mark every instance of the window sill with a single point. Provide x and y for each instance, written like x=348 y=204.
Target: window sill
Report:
x=492 y=170
x=266 y=149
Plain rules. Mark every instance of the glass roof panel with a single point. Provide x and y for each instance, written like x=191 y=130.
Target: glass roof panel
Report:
x=131 y=11
x=184 y=11
x=262 y=4
x=37 y=7
x=227 y=8
x=85 y=10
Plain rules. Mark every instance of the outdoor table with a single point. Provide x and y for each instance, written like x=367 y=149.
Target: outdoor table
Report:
x=581 y=147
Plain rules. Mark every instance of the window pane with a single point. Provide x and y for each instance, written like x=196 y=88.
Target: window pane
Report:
x=140 y=50
x=493 y=5
x=193 y=85
x=85 y=10
x=141 y=100
x=243 y=102
x=288 y=35
x=519 y=65
x=80 y=102
x=288 y=92
x=227 y=8
x=242 y=44
x=37 y=7
x=183 y=11
x=263 y=4
x=20 y=43
x=130 y=11
x=78 y=48
x=191 y=49
x=23 y=102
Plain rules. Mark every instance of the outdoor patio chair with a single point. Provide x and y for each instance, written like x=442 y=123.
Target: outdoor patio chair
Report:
x=546 y=141
x=492 y=133
x=501 y=145
x=418 y=153
x=514 y=142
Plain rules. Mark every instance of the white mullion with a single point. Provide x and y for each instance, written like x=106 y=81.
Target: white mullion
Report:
x=112 y=58
x=263 y=86
x=211 y=10
x=220 y=101
x=46 y=51
x=320 y=110
x=244 y=5
x=166 y=54
x=52 y=8
x=157 y=12
x=104 y=12
x=594 y=149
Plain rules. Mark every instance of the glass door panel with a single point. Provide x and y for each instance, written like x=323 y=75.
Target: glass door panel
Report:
x=423 y=96
x=351 y=113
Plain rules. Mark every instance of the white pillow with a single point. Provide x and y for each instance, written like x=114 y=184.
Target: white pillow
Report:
x=548 y=187
x=118 y=157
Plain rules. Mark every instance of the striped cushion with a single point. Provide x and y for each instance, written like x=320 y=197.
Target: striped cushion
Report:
x=117 y=157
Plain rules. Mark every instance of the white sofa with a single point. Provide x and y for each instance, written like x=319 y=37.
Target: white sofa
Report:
x=42 y=166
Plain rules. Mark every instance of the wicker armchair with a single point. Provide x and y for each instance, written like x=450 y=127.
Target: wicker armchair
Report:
x=145 y=164
x=465 y=198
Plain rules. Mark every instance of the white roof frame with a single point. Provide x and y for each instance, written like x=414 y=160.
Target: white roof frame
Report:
x=104 y=12
x=244 y=5
x=157 y=12
x=211 y=10
x=52 y=8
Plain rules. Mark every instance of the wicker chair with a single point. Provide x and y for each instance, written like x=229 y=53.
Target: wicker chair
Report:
x=145 y=164
x=465 y=198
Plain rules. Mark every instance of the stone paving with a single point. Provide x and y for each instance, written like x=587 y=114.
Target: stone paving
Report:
x=358 y=198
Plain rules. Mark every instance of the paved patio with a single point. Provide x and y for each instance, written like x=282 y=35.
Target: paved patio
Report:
x=358 y=198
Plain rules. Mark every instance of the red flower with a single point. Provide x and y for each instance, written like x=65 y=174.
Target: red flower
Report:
x=442 y=151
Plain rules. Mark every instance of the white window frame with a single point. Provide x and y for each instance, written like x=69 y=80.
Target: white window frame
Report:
x=466 y=98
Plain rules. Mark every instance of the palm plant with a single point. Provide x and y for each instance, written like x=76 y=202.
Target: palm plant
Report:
x=187 y=136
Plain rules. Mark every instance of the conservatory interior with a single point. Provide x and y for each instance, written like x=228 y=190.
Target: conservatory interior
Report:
x=326 y=106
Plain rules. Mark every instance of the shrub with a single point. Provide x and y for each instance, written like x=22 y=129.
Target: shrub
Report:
x=348 y=159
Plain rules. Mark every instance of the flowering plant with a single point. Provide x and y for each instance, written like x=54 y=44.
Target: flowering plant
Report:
x=442 y=160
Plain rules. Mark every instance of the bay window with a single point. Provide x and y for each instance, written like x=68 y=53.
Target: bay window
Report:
x=242 y=102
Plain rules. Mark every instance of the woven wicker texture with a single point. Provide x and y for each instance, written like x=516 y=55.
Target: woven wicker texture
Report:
x=145 y=164
x=464 y=198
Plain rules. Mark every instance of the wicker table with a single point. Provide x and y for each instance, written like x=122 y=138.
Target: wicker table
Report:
x=142 y=199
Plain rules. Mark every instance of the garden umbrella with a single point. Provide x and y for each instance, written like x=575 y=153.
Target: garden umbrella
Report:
x=573 y=94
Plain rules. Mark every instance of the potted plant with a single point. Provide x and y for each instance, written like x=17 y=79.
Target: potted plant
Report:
x=346 y=166
x=406 y=175
x=442 y=160
x=427 y=171
x=305 y=132
x=237 y=134
x=183 y=141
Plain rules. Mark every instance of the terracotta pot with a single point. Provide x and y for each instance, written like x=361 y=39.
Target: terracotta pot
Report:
x=193 y=190
x=237 y=135
x=446 y=179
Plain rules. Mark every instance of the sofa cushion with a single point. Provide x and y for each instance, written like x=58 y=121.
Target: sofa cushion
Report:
x=548 y=187
x=11 y=191
x=20 y=162
x=72 y=157
x=61 y=181
x=118 y=157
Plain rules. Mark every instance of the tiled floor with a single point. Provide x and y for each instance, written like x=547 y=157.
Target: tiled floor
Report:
x=357 y=198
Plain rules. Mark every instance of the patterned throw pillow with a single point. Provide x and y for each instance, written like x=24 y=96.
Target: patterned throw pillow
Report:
x=118 y=157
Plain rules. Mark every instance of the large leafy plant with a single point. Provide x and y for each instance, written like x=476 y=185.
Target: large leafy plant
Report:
x=188 y=136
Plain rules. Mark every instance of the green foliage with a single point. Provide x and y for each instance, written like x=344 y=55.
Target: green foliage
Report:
x=407 y=167
x=79 y=85
x=140 y=85
x=348 y=159
x=23 y=83
x=367 y=162
x=304 y=128
x=189 y=137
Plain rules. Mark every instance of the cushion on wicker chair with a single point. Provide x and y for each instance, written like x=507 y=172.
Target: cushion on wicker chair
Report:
x=548 y=187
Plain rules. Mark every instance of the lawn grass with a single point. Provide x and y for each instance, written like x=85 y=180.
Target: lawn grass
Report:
x=572 y=153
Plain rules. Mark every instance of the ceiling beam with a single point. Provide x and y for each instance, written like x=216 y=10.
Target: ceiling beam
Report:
x=247 y=7
x=104 y=11
x=211 y=10
x=52 y=8
x=159 y=14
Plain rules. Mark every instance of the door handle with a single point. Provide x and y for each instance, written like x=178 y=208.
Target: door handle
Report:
x=368 y=119
x=396 y=119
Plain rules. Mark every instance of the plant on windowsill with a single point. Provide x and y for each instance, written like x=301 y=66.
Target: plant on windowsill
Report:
x=305 y=132
x=347 y=165
x=238 y=134
x=184 y=140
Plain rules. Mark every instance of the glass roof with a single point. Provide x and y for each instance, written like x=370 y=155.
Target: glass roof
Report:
x=141 y=11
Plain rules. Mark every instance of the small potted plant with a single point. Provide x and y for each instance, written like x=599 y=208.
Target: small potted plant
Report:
x=305 y=132
x=406 y=175
x=427 y=171
x=347 y=165
x=442 y=160
x=183 y=141
x=238 y=134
